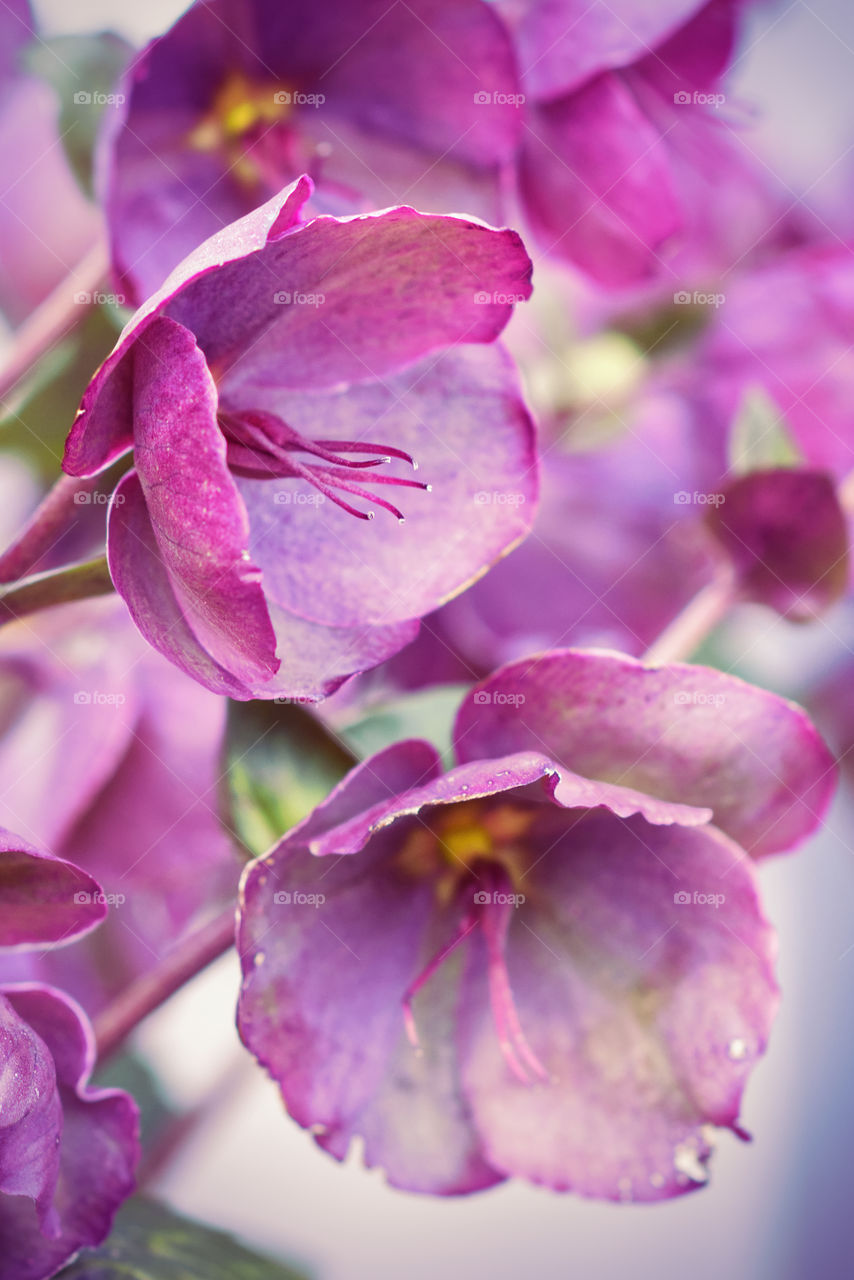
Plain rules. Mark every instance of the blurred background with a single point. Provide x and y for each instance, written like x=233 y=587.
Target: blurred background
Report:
x=777 y=1209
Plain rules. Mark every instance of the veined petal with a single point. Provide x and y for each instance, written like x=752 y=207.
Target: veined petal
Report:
x=679 y=732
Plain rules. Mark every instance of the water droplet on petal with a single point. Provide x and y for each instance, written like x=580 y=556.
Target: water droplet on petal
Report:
x=687 y=1164
x=657 y=1179
x=737 y=1049
x=259 y=958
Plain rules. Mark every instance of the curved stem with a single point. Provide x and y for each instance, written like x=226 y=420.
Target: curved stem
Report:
x=681 y=639
x=60 y=586
x=142 y=997
x=45 y=526
x=51 y=321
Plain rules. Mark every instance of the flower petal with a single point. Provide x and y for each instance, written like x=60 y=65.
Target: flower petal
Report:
x=787 y=536
x=352 y=299
x=103 y=428
x=562 y=43
x=395 y=99
x=678 y=732
x=462 y=417
x=98 y=1151
x=596 y=180
x=196 y=513
x=142 y=580
x=647 y=1010
x=361 y=930
x=43 y=899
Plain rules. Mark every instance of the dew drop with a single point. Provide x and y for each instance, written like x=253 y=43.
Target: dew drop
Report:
x=688 y=1166
x=737 y=1049
x=260 y=957
x=657 y=1179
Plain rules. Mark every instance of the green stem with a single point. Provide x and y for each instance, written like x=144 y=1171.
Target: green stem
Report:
x=60 y=586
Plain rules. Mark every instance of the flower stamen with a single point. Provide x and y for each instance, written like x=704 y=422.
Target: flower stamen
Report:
x=261 y=446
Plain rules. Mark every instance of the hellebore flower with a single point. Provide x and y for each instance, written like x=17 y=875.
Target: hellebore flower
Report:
x=787 y=329
x=619 y=131
x=67 y=1151
x=124 y=760
x=261 y=389
x=550 y=961
x=378 y=103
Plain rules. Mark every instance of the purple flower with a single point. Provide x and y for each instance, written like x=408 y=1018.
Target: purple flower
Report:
x=620 y=138
x=550 y=961
x=786 y=537
x=379 y=103
x=123 y=764
x=67 y=1151
x=786 y=328
x=281 y=385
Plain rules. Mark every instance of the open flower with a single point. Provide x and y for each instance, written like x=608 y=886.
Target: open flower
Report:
x=378 y=103
x=67 y=1151
x=621 y=137
x=280 y=387
x=549 y=961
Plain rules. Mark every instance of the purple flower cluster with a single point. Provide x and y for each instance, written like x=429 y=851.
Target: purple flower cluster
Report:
x=448 y=343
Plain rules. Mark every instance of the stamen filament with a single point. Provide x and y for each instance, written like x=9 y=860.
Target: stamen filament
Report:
x=520 y=1057
x=464 y=929
x=261 y=445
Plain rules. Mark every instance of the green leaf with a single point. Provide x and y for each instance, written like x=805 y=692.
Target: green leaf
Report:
x=149 y=1242
x=760 y=439
x=281 y=763
x=35 y=421
x=427 y=714
x=83 y=71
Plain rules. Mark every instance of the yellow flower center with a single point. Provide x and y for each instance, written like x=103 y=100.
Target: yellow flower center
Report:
x=241 y=112
x=447 y=847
